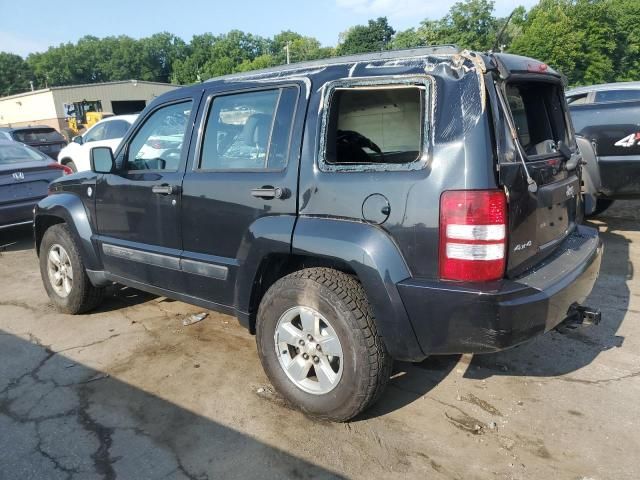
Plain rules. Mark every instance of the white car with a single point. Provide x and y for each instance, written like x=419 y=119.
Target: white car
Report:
x=106 y=133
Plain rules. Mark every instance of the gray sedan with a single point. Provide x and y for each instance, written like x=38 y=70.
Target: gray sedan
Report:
x=25 y=174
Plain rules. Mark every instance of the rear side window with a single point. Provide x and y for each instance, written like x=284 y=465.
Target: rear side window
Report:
x=44 y=135
x=580 y=99
x=249 y=130
x=537 y=112
x=617 y=96
x=375 y=125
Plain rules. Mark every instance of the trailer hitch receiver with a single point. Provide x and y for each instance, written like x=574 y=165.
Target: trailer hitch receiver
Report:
x=579 y=316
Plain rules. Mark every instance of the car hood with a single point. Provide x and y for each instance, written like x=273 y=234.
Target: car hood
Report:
x=74 y=179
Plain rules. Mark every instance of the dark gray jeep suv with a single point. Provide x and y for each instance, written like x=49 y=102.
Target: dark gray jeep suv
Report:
x=349 y=211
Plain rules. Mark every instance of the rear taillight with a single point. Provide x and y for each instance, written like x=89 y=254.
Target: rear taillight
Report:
x=65 y=170
x=473 y=235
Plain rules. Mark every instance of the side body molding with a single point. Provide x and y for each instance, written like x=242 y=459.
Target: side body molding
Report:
x=375 y=258
x=69 y=208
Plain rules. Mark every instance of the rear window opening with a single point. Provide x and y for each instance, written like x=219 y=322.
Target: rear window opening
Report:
x=40 y=135
x=536 y=108
x=379 y=125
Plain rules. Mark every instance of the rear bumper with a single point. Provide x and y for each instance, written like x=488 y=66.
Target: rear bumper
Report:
x=470 y=318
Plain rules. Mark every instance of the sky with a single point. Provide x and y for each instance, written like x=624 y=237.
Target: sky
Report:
x=35 y=25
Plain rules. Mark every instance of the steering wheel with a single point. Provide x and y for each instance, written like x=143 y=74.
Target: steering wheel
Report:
x=346 y=140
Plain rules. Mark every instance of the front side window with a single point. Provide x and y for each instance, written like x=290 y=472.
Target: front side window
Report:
x=159 y=142
x=97 y=133
x=375 y=125
x=249 y=130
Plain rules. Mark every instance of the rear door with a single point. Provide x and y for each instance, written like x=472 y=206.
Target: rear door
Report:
x=138 y=206
x=540 y=216
x=241 y=185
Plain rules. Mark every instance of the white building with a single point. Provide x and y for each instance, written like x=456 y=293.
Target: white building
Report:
x=47 y=106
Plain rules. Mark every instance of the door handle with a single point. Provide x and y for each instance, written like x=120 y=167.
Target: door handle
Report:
x=165 y=189
x=268 y=192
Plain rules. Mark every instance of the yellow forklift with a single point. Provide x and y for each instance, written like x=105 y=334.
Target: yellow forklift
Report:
x=82 y=115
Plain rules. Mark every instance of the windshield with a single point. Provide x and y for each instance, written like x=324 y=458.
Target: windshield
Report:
x=41 y=135
x=18 y=154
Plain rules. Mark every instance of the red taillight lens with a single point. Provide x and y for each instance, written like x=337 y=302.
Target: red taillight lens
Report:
x=473 y=235
x=65 y=170
x=537 y=67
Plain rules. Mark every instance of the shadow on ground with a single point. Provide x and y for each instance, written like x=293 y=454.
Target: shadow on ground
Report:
x=16 y=239
x=61 y=419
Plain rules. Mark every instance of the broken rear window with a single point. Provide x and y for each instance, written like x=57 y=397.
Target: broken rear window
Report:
x=375 y=125
x=536 y=108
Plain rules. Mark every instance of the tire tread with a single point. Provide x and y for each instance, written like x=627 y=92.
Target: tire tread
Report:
x=352 y=294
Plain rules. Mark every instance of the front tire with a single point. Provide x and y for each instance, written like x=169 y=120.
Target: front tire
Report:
x=318 y=344
x=72 y=166
x=63 y=273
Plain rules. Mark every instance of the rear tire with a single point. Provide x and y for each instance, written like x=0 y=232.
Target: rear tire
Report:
x=601 y=205
x=352 y=369
x=63 y=273
x=71 y=165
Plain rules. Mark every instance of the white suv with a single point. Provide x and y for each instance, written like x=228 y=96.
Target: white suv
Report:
x=106 y=133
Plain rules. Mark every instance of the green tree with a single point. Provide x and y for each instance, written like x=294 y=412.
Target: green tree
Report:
x=212 y=56
x=160 y=52
x=373 y=37
x=468 y=24
x=300 y=48
x=581 y=38
x=627 y=38
x=16 y=74
x=471 y=24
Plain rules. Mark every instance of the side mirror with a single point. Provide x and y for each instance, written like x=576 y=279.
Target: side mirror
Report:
x=78 y=140
x=102 y=160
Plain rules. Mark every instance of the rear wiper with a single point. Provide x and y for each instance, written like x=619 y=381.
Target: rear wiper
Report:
x=573 y=159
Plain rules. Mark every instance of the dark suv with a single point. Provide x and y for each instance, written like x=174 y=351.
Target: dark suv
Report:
x=348 y=211
x=46 y=139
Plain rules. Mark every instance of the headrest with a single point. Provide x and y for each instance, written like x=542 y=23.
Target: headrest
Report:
x=256 y=130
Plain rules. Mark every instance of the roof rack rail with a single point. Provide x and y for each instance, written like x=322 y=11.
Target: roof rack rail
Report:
x=446 y=49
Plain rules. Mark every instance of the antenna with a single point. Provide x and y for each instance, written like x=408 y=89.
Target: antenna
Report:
x=499 y=37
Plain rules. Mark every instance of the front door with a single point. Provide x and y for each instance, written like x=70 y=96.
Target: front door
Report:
x=137 y=207
x=240 y=189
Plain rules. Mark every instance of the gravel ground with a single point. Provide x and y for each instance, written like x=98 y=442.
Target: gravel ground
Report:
x=128 y=392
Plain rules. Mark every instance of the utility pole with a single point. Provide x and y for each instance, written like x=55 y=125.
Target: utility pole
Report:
x=286 y=49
